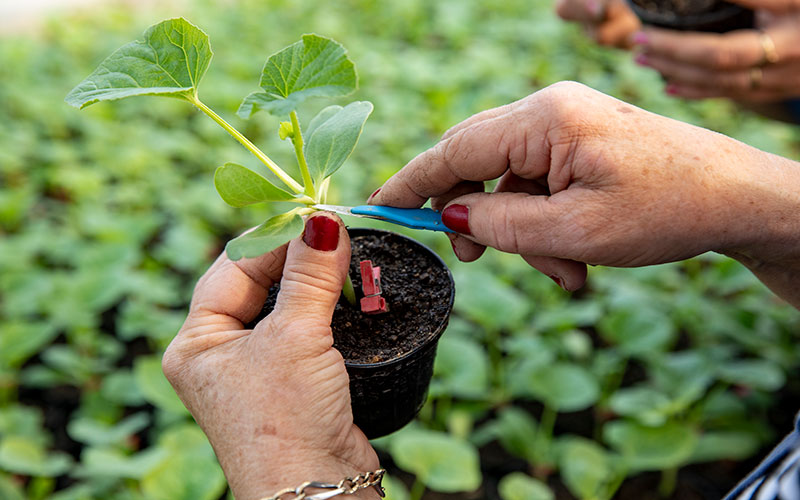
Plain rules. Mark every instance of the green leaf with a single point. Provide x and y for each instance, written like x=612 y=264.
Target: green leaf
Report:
x=267 y=237
x=106 y=462
x=90 y=431
x=726 y=445
x=461 y=369
x=170 y=61
x=22 y=339
x=24 y=456
x=638 y=331
x=9 y=490
x=520 y=486
x=755 y=373
x=652 y=448
x=395 y=489
x=561 y=386
x=586 y=468
x=646 y=405
x=189 y=471
x=239 y=186
x=516 y=430
x=442 y=462
x=313 y=67
x=155 y=387
x=332 y=141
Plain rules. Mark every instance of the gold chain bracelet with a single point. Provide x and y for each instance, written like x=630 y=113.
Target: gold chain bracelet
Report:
x=346 y=486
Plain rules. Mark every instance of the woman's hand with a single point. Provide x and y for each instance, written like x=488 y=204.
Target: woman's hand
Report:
x=749 y=66
x=274 y=401
x=585 y=178
x=608 y=22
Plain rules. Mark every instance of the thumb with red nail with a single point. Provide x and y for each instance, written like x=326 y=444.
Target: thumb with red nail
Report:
x=283 y=378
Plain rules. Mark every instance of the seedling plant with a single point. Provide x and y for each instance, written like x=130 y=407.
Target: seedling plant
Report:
x=171 y=61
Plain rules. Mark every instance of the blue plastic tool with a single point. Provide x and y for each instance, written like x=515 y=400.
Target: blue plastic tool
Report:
x=415 y=218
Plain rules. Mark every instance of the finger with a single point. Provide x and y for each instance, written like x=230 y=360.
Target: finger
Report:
x=313 y=274
x=702 y=92
x=482 y=151
x=513 y=222
x=776 y=6
x=479 y=117
x=621 y=25
x=465 y=250
x=568 y=274
x=734 y=50
x=582 y=11
x=681 y=73
x=231 y=294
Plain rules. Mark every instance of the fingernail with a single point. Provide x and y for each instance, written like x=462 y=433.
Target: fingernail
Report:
x=322 y=233
x=373 y=195
x=456 y=217
x=671 y=89
x=641 y=60
x=640 y=38
x=593 y=6
x=558 y=280
x=452 y=238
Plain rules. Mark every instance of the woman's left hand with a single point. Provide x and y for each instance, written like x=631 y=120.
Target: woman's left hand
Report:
x=755 y=66
x=274 y=401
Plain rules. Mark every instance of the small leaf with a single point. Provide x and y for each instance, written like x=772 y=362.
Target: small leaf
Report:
x=22 y=339
x=332 y=141
x=442 y=462
x=24 y=456
x=726 y=445
x=755 y=373
x=646 y=405
x=313 y=67
x=321 y=118
x=239 y=186
x=563 y=386
x=516 y=430
x=155 y=387
x=92 y=432
x=170 y=61
x=587 y=469
x=267 y=237
x=520 y=486
x=395 y=489
x=461 y=369
x=652 y=448
x=107 y=462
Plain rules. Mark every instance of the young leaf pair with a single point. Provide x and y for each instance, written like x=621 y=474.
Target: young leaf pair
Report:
x=171 y=60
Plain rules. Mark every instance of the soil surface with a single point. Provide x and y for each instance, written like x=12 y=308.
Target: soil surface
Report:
x=417 y=289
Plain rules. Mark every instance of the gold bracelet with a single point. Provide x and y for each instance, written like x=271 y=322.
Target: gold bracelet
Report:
x=346 y=486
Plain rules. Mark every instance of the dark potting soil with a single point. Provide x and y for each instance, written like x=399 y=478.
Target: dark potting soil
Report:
x=417 y=290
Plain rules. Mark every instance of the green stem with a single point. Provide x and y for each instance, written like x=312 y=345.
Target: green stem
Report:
x=348 y=291
x=544 y=436
x=417 y=489
x=297 y=140
x=669 y=479
x=278 y=171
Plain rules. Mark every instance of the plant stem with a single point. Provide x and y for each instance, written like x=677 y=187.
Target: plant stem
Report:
x=417 y=489
x=278 y=171
x=297 y=140
x=544 y=436
x=669 y=479
x=348 y=291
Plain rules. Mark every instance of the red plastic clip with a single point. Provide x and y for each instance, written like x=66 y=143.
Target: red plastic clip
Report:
x=372 y=303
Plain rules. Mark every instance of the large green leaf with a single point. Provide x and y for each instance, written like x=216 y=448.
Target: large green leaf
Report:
x=25 y=456
x=239 y=186
x=170 y=61
x=314 y=66
x=267 y=237
x=755 y=373
x=22 y=339
x=520 y=486
x=332 y=140
x=726 y=445
x=442 y=462
x=652 y=448
x=461 y=369
x=587 y=469
x=561 y=386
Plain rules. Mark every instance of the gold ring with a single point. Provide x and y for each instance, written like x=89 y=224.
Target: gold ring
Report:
x=770 y=54
x=755 y=78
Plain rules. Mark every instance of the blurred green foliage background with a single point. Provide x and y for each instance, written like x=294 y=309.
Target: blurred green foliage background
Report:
x=109 y=215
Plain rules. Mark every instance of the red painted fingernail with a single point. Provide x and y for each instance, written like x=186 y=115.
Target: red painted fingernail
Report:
x=558 y=280
x=373 y=195
x=322 y=233
x=641 y=60
x=640 y=38
x=456 y=217
x=671 y=89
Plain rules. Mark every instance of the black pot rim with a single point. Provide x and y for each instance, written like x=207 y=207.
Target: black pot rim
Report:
x=674 y=20
x=440 y=328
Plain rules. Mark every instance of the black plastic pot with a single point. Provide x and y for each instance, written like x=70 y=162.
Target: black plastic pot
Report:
x=718 y=17
x=385 y=396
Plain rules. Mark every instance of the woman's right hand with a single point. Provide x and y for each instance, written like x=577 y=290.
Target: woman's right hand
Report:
x=586 y=178
x=608 y=22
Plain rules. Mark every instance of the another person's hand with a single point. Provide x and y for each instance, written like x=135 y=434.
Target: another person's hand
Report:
x=585 y=178
x=608 y=22
x=274 y=401
x=751 y=66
